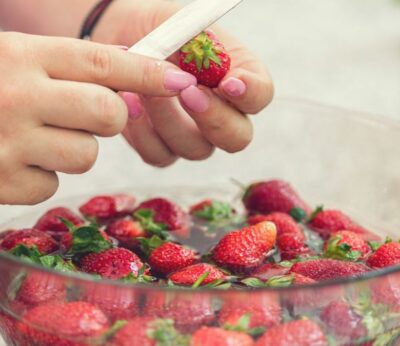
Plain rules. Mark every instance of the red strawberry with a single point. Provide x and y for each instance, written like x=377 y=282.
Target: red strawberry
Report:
x=294 y=333
x=206 y=59
x=264 y=309
x=171 y=257
x=246 y=249
x=117 y=303
x=387 y=255
x=188 y=310
x=326 y=269
x=340 y=318
x=284 y=223
x=8 y=330
x=30 y=238
x=103 y=208
x=67 y=238
x=212 y=336
x=160 y=214
x=147 y=331
x=268 y=270
x=386 y=290
x=41 y=288
x=189 y=275
x=326 y=222
x=346 y=245
x=112 y=264
x=126 y=231
x=212 y=210
x=63 y=324
x=51 y=221
x=270 y=196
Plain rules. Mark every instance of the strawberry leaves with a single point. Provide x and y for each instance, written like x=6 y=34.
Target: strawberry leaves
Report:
x=298 y=214
x=87 y=239
x=147 y=245
x=216 y=211
x=275 y=281
x=243 y=326
x=146 y=219
x=341 y=251
x=164 y=333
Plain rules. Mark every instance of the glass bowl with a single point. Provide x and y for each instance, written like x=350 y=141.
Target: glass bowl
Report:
x=332 y=156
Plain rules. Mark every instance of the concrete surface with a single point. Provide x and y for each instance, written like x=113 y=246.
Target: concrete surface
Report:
x=339 y=52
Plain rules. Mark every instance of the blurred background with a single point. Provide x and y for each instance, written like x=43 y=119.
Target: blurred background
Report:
x=337 y=52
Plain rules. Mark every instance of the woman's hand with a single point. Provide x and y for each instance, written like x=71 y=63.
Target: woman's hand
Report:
x=55 y=93
x=191 y=126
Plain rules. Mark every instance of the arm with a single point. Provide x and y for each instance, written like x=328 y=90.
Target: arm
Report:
x=44 y=17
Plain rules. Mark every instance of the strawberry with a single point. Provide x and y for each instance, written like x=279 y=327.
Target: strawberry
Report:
x=268 y=270
x=212 y=336
x=8 y=331
x=340 y=318
x=245 y=249
x=67 y=241
x=205 y=58
x=271 y=196
x=126 y=231
x=171 y=257
x=190 y=275
x=41 y=288
x=326 y=269
x=387 y=255
x=284 y=223
x=326 y=222
x=116 y=302
x=65 y=324
x=30 y=238
x=147 y=331
x=112 y=264
x=160 y=214
x=386 y=290
x=346 y=245
x=103 y=208
x=188 y=310
x=212 y=210
x=294 y=333
x=263 y=309
x=52 y=222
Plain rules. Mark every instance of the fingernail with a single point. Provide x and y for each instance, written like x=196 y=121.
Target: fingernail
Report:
x=135 y=108
x=121 y=47
x=234 y=87
x=176 y=80
x=195 y=99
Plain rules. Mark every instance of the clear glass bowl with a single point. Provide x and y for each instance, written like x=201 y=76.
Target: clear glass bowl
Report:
x=330 y=155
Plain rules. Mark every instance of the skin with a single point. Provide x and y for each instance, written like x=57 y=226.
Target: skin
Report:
x=43 y=132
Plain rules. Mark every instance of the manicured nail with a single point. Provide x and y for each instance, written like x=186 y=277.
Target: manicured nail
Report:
x=135 y=108
x=121 y=47
x=234 y=87
x=176 y=80
x=195 y=99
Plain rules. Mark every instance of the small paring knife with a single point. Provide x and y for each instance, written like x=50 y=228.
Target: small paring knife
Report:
x=186 y=24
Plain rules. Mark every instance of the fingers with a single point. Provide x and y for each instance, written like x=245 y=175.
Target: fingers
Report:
x=142 y=137
x=28 y=186
x=60 y=150
x=221 y=124
x=177 y=130
x=83 y=106
x=248 y=91
x=83 y=61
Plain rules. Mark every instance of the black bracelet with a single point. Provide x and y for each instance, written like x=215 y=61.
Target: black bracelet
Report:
x=93 y=18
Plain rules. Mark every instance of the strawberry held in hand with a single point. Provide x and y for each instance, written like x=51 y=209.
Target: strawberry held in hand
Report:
x=205 y=58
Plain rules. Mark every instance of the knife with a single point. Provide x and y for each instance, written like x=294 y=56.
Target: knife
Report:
x=179 y=29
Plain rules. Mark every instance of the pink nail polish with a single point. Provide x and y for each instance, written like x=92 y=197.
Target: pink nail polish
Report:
x=176 y=80
x=195 y=99
x=135 y=108
x=234 y=87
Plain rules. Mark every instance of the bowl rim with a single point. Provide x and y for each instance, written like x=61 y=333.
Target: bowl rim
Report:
x=361 y=116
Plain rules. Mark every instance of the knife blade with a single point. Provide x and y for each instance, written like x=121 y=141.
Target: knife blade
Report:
x=187 y=23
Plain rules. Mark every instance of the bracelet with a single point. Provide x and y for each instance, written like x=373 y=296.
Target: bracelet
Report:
x=93 y=18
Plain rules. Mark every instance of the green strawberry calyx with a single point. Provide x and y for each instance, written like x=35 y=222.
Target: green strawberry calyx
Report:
x=147 y=245
x=243 y=326
x=146 y=220
x=164 y=333
x=216 y=211
x=202 y=51
x=341 y=251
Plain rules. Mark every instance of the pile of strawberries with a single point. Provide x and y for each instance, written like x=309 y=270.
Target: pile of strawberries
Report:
x=278 y=242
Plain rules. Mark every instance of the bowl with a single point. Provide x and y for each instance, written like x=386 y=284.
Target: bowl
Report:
x=336 y=157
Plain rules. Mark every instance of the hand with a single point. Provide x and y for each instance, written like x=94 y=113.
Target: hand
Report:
x=55 y=93
x=191 y=126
